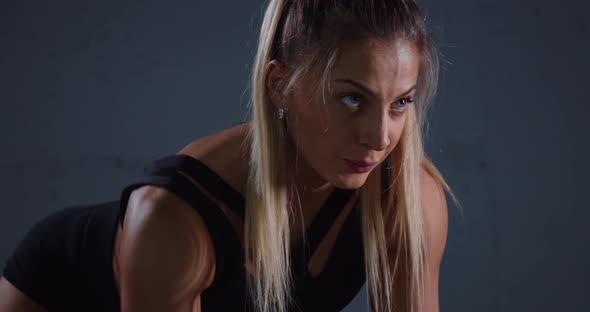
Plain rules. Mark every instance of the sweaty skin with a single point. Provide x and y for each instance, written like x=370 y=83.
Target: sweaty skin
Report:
x=362 y=121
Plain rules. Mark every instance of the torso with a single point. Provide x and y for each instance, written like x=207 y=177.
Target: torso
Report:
x=227 y=155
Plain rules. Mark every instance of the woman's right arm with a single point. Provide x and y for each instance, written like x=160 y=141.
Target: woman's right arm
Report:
x=166 y=256
x=14 y=300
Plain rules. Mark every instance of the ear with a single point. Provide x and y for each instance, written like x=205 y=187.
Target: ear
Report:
x=275 y=79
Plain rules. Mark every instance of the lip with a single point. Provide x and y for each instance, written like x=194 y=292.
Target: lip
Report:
x=360 y=166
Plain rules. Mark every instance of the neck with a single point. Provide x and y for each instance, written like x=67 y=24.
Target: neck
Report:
x=307 y=180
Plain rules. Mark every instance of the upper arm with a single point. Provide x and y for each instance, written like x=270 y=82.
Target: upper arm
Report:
x=13 y=300
x=435 y=214
x=166 y=255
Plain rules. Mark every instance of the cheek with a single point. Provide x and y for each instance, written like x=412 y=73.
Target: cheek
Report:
x=396 y=130
x=309 y=126
x=317 y=131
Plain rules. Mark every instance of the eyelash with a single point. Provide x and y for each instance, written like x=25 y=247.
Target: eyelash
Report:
x=407 y=100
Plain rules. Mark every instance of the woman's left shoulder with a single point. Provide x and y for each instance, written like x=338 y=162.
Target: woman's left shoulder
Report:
x=435 y=212
x=433 y=195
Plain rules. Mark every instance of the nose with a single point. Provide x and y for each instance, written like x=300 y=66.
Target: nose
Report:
x=374 y=131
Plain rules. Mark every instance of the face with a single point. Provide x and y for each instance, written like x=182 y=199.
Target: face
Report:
x=372 y=85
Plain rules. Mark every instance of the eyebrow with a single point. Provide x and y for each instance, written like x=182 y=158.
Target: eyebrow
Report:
x=366 y=89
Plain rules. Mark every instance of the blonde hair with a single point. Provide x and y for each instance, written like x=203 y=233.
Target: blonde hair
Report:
x=392 y=225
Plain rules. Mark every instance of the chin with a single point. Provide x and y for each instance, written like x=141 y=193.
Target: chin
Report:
x=350 y=181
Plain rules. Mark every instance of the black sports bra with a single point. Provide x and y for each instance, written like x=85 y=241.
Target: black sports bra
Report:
x=335 y=286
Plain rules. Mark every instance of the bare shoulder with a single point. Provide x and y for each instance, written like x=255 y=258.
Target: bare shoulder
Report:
x=166 y=255
x=165 y=250
x=225 y=152
x=435 y=212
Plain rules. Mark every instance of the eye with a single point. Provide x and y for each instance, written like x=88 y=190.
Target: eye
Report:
x=351 y=101
x=402 y=103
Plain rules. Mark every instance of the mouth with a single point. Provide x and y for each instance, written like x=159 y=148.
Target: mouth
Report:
x=360 y=166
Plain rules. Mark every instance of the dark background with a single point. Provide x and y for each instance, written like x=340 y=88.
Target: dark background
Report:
x=91 y=91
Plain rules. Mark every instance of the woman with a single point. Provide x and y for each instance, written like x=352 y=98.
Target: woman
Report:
x=327 y=187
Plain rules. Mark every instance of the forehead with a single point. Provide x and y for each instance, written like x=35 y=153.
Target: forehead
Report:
x=395 y=64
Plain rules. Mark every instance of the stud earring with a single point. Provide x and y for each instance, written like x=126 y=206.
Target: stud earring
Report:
x=280 y=113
